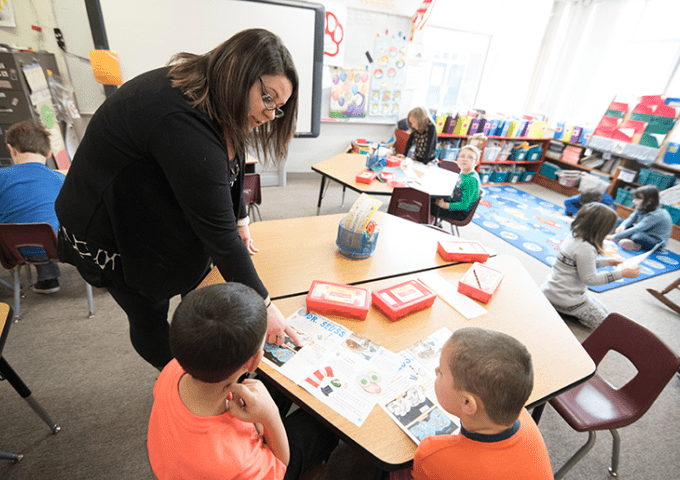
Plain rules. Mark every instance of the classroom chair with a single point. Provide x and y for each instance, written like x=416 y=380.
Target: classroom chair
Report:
x=7 y=373
x=596 y=404
x=252 y=193
x=401 y=137
x=661 y=296
x=461 y=223
x=411 y=204
x=449 y=165
x=16 y=235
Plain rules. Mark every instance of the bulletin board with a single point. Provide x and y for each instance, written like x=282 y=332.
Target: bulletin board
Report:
x=374 y=34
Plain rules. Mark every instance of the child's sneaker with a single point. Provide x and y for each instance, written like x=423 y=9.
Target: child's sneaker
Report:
x=46 y=287
x=628 y=244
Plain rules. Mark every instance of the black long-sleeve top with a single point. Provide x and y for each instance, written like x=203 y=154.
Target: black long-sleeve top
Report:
x=426 y=144
x=148 y=195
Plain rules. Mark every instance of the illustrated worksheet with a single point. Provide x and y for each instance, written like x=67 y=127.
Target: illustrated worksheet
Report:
x=346 y=371
x=410 y=399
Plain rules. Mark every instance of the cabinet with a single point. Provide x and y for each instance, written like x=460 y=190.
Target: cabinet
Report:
x=502 y=169
x=617 y=177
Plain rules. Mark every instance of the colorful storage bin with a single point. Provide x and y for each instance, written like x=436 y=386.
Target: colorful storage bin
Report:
x=549 y=170
x=624 y=197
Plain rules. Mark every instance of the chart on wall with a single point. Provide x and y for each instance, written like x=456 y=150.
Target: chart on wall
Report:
x=349 y=92
x=388 y=72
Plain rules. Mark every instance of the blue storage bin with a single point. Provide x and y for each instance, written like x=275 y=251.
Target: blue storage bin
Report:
x=449 y=153
x=534 y=153
x=514 y=177
x=356 y=245
x=675 y=213
x=498 y=177
x=549 y=170
x=528 y=176
x=624 y=197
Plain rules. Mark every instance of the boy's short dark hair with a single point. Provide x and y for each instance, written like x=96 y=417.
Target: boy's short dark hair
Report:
x=589 y=196
x=494 y=366
x=27 y=137
x=216 y=329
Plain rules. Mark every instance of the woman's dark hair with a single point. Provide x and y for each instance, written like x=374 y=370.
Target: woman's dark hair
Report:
x=216 y=329
x=650 y=198
x=593 y=222
x=219 y=82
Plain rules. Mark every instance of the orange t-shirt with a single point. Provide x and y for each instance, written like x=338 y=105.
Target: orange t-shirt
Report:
x=185 y=446
x=521 y=455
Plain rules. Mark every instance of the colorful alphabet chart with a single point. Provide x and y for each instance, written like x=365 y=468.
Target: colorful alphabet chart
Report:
x=388 y=72
x=349 y=92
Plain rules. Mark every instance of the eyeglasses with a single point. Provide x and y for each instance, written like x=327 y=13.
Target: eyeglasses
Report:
x=269 y=102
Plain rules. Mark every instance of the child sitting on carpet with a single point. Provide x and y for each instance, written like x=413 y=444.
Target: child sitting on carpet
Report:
x=484 y=378
x=575 y=267
x=649 y=225
x=467 y=188
x=572 y=204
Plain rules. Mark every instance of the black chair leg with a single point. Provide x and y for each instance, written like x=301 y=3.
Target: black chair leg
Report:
x=11 y=456
x=10 y=375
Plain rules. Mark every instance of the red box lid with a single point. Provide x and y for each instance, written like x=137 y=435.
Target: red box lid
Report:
x=365 y=176
x=336 y=299
x=480 y=282
x=462 y=251
x=399 y=300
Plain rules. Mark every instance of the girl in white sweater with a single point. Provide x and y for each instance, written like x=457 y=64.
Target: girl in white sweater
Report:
x=577 y=263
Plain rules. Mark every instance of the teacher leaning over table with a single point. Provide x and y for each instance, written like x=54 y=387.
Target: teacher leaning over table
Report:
x=155 y=191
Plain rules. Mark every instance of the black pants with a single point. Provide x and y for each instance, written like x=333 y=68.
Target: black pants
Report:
x=149 y=327
x=309 y=440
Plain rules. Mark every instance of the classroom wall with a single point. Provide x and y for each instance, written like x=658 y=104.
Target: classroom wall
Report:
x=515 y=42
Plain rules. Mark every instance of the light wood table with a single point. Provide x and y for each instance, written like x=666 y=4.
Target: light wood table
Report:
x=518 y=308
x=343 y=168
x=295 y=252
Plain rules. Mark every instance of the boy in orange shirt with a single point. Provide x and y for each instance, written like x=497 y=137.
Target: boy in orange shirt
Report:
x=484 y=378
x=204 y=423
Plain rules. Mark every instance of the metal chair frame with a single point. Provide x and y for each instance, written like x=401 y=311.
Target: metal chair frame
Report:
x=656 y=364
x=14 y=236
x=252 y=194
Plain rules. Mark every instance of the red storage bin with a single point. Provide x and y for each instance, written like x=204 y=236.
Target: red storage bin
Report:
x=399 y=300
x=335 y=299
x=462 y=251
x=365 y=177
x=480 y=282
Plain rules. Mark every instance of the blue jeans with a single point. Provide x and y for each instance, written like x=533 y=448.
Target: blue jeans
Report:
x=46 y=271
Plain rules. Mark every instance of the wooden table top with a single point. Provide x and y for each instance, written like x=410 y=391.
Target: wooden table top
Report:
x=295 y=252
x=343 y=168
x=518 y=308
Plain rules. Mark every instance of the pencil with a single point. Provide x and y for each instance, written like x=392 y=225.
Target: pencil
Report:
x=477 y=278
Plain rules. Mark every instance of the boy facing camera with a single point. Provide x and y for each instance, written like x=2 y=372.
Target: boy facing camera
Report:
x=484 y=378
x=204 y=423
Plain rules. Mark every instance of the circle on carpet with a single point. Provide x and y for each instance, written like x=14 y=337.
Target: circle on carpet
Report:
x=532 y=246
x=490 y=224
x=667 y=260
x=646 y=271
x=509 y=235
x=654 y=264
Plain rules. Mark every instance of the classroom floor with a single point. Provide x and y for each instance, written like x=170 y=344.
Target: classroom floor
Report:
x=90 y=380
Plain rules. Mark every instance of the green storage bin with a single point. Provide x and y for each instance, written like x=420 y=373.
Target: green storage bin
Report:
x=643 y=178
x=498 y=177
x=534 y=153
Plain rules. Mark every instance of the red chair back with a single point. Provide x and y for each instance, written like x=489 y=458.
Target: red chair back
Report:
x=655 y=362
x=401 y=137
x=410 y=204
x=16 y=235
x=449 y=165
x=252 y=193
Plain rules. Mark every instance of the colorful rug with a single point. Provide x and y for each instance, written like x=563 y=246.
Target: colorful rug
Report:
x=538 y=227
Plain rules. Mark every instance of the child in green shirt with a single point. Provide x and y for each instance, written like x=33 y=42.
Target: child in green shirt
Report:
x=466 y=191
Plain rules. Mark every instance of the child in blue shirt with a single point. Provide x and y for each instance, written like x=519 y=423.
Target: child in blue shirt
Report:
x=28 y=190
x=572 y=204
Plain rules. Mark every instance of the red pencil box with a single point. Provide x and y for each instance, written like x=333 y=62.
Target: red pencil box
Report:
x=399 y=300
x=335 y=299
x=462 y=251
x=365 y=177
x=480 y=282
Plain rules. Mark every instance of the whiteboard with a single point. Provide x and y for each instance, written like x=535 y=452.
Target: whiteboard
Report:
x=147 y=33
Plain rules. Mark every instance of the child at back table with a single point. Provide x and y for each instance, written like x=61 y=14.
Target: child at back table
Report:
x=465 y=192
x=576 y=266
x=484 y=378
x=204 y=423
